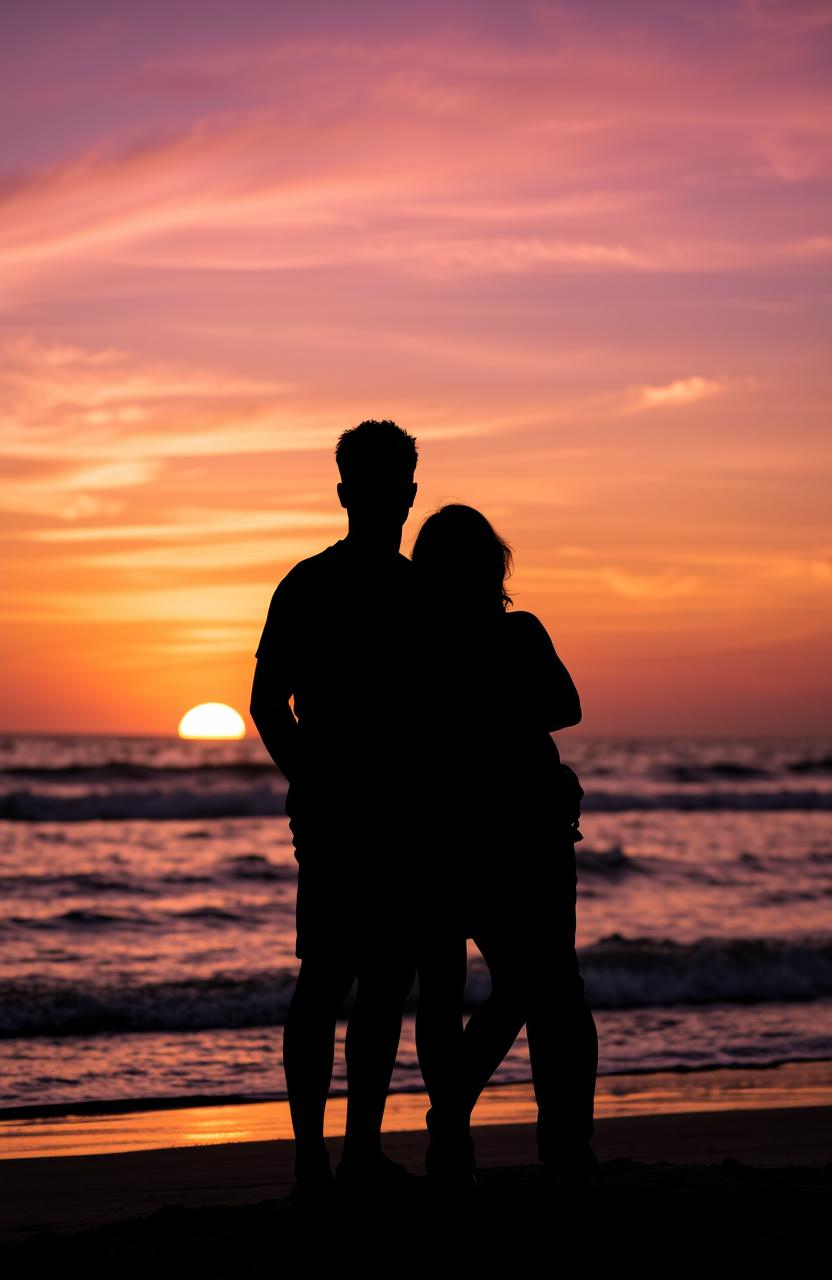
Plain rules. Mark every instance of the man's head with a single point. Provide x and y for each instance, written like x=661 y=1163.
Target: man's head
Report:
x=376 y=461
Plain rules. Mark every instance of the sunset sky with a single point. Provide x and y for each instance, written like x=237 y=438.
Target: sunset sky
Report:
x=581 y=250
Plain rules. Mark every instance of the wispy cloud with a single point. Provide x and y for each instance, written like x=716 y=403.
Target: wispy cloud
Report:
x=564 y=152
x=115 y=413
x=72 y=492
x=160 y=605
x=668 y=585
x=632 y=582
x=182 y=559
x=195 y=524
x=724 y=578
x=681 y=391
x=221 y=243
x=80 y=426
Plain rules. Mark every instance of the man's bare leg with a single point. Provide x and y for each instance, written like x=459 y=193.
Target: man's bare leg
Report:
x=372 y=1041
x=308 y=1053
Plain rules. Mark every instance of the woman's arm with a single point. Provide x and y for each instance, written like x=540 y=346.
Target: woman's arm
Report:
x=545 y=687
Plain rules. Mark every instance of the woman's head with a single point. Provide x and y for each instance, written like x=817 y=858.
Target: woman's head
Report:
x=463 y=559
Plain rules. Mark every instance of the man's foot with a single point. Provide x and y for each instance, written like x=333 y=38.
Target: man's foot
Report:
x=574 y=1182
x=374 y=1181
x=573 y=1174
x=314 y=1193
x=314 y=1189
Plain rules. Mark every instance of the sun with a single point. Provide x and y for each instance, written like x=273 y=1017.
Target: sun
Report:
x=212 y=720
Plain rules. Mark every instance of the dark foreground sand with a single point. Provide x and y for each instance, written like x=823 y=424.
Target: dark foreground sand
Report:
x=745 y=1187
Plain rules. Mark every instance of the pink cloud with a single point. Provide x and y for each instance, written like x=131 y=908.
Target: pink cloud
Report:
x=680 y=392
x=604 y=160
x=551 y=239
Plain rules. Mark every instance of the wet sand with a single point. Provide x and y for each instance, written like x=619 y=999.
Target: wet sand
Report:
x=105 y=1127
x=753 y=1182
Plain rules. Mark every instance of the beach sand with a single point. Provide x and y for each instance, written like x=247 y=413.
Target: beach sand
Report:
x=745 y=1184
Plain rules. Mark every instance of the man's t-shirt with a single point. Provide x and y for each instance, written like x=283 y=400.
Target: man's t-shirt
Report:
x=339 y=639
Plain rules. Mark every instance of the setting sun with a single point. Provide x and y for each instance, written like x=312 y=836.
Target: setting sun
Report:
x=212 y=720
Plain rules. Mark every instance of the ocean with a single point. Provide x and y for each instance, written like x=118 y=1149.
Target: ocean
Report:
x=147 y=914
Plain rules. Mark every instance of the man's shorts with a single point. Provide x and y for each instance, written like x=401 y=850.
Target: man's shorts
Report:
x=352 y=897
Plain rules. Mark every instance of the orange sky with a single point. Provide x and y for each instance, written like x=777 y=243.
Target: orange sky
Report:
x=581 y=251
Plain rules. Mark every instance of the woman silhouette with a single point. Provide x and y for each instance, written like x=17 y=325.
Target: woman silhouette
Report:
x=504 y=820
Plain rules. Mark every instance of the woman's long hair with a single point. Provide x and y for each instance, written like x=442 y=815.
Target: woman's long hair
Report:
x=462 y=559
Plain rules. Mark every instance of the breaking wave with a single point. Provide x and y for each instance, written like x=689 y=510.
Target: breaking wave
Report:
x=620 y=973
x=267 y=800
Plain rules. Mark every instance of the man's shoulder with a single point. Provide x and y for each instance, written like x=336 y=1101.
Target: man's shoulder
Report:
x=334 y=571
x=303 y=582
x=339 y=559
x=322 y=564
x=297 y=597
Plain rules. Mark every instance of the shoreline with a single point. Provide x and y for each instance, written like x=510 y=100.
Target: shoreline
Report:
x=173 y=1102
x=108 y=1128
x=47 y=1198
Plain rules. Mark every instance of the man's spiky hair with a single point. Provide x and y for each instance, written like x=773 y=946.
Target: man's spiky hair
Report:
x=375 y=446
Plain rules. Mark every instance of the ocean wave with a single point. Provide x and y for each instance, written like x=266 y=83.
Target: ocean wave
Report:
x=246 y=867
x=109 y=772
x=79 y=918
x=604 y=862
x=620 y=973
x=812 y=764
x=623 y=973
x=84 y=918
x=214 y=915
x=129 y=771
x=153 y=804
x=64 y=884
x=54 y=1008
x=718 y=771
x=144 y=805
x=737 y=800
x=254 y=866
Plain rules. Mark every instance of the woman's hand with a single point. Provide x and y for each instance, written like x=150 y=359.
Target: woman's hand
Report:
x=568 y=796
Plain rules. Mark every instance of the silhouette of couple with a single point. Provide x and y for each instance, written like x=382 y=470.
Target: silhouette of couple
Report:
x=412 y=716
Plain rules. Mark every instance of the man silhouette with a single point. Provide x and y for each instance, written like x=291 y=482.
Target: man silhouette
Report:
x=334 y=647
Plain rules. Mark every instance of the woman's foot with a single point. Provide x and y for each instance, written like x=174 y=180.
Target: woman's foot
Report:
x=450 y=1161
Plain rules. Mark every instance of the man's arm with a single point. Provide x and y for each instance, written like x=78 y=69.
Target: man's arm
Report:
x=274 y=718
x=274 y=680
